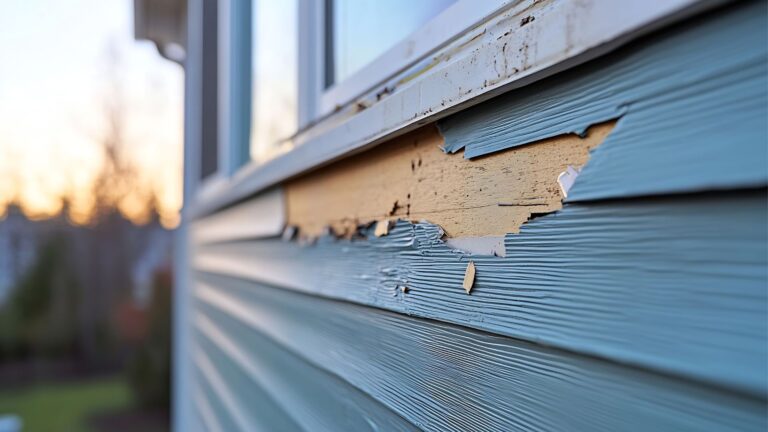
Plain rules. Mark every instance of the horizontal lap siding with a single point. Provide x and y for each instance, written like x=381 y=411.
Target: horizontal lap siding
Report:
x=252 y=365
x=448 y=378
x=640 y=305
x=226 y=380
x=651 y=282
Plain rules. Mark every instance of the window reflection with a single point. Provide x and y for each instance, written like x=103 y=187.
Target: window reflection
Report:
x=365 y=29
x=275 y=74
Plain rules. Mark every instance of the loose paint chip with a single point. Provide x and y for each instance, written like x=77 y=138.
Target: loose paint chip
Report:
x=289 y=233
x=469 y=277
x=567 y=178
x=382 y=228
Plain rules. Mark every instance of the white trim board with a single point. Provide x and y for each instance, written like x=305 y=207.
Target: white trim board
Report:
x=483 y=63
x=443 y=28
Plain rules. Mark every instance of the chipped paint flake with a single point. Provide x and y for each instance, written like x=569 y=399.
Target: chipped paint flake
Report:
x=469 y=277
x=382 y=228
x=567 y=178
x=489 y=245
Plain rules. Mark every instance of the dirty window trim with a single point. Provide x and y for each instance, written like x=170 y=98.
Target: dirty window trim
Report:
x=440 y=30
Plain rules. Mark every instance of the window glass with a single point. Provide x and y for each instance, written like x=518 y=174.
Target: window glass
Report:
x=362 y=30
x=275 y=74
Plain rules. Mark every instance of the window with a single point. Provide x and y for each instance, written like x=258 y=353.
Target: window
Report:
x=369 y=42
x=362 y=30
x=342 y=49
x=346 y=39
x=275 y=75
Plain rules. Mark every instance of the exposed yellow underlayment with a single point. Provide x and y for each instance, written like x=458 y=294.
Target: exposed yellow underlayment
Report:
x=412 y=178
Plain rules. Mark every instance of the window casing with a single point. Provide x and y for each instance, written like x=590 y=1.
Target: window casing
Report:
x=309 y=58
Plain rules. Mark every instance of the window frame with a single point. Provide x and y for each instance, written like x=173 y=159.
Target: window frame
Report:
x=445 y=27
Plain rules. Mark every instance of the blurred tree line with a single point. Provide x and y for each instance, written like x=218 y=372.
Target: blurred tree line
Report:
x=82 y=301
x=75 y=309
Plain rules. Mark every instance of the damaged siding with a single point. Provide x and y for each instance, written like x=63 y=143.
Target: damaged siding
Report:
x=691 y=102
x=411 y=178
x=639 y=305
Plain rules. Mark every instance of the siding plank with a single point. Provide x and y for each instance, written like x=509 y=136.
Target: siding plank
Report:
x=447 y=378
x=224 y=382
x=315 y=400
x=672 y=284
x=211 y=410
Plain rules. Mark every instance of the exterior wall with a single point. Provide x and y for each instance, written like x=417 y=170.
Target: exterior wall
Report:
x=639 y=305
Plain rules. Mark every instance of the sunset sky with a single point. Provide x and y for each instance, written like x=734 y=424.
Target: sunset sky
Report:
x=54 y=80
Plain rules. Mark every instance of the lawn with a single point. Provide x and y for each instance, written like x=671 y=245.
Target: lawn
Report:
x=65 y=407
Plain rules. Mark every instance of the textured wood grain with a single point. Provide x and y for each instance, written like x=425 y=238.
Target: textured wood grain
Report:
x=411 y=178
x=671 y=284
x=447 y=378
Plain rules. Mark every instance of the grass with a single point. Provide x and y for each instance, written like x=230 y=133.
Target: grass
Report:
x=64 y=407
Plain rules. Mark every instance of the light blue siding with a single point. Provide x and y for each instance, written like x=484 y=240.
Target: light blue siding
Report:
x=449 y=378
x=651 y=282
x=315 y=399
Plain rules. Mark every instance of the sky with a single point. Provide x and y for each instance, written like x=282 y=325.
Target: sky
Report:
x=55 y=63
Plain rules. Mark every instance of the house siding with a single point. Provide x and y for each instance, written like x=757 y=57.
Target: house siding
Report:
x=640 y=305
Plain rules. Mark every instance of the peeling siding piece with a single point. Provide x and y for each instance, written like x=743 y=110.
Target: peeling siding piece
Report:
x=661 y=283
x=315 y=399
x=382 y=228
x=693 y=100
x=487 y=245
x=410 y=178
x=446 y=378
x=469 y=277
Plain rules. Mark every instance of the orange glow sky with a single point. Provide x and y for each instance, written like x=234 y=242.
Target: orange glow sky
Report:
x=53 y=81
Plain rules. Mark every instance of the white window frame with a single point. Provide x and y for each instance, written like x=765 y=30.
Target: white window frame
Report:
x=447 y=65
x=445 y=27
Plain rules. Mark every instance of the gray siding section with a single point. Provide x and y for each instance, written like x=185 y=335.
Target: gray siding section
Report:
x=225 y=382
x=652 y=282
x=260 y=381
x=448 y=378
